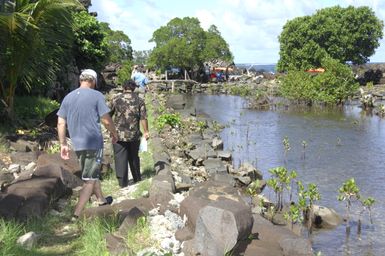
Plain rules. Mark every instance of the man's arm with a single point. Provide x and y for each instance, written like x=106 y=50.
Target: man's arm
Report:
x=109 y=124
x=144 y=124
x=61 y=130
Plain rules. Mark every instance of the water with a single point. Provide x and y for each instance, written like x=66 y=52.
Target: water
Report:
x=340 y=144
x=257 y=67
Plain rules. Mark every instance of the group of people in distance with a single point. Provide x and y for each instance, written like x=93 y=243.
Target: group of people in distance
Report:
x=83 y=110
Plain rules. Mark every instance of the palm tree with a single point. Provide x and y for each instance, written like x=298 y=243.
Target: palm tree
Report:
x=34 y=35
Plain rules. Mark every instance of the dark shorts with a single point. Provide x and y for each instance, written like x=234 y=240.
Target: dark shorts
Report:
x=90 y=163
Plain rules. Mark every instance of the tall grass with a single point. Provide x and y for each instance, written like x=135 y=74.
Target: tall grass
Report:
x=10 y=231
x=139 y=236
x=92 y=241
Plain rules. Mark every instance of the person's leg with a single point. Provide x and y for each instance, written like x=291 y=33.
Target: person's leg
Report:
x=84 y=196
x=134 y=160
x=121 y=162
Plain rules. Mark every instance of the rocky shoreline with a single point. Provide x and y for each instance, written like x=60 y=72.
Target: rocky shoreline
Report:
x=194 y=197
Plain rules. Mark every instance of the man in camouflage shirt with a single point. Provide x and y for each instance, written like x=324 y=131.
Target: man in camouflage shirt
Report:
x=129 y=112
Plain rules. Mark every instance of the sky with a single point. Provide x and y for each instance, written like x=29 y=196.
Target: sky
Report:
x=250 y=27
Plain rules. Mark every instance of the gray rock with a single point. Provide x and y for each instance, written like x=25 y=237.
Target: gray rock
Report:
x=247 y=169
x=116 y=245
x=130 y=218
x=24 y=158
x=296 y=247
x=224 y=155
x=325 y=218
x=14 y=168
x=220 y=226
x=30 y=167
x=217 y=144
x=28 y=240
x=213 y=166
x=24 y=146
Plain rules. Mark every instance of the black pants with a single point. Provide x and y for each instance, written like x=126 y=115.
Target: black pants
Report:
x=127 y=152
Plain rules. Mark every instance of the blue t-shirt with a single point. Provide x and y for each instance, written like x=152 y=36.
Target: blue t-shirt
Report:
x=140 y=79
x=82 y=109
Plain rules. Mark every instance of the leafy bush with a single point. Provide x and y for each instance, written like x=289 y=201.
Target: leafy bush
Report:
x=30 y=107
x=333 y=86
x=174 y=120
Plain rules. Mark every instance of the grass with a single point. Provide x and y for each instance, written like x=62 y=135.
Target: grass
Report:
x=92 y=241
x=139 y=237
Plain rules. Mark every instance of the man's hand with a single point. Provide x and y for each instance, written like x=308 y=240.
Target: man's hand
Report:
x=114 y=137
x=146 y=135
x=64 y=152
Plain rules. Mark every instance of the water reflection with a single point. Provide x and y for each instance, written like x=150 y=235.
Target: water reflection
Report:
x=341 y=143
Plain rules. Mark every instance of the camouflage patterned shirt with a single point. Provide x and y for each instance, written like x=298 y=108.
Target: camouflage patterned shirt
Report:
x=128 y=109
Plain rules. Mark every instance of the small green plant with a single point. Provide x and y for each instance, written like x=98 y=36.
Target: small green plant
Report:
x=367 y=206
x=348 y=192
x=281 y=180
x=294 y=215
x=174 y=120
x=286 y=146
x=53 y=148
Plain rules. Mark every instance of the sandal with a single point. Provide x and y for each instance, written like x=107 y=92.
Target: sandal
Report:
x=109 y=200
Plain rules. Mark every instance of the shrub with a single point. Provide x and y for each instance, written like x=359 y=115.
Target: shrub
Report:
x=29 y=108
x=333 y=86
x=174 y=120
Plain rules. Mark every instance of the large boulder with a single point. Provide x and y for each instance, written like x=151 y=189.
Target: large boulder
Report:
x=71 y=165
x=204 y=194
x=57 y=171
x=162 y=189
x=324 y=217
x=30 y=198
x=22 y=145
x=220 y=226
x=24 y=158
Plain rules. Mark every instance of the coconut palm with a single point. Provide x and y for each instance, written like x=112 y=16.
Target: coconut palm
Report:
x=34 y=36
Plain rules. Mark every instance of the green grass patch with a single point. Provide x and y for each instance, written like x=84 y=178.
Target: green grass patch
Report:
x=142 y=187
x=139 y=237
x=92 y=241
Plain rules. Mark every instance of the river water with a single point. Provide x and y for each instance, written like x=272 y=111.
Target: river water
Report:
x=341 y=143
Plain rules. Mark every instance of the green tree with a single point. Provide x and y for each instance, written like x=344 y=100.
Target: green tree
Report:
x=141 y=57
x=216 y=47
x=346 y=34
x=183 y=43
x=119 y=44
x=33 y=36
x=91 y=45
x=333 y=86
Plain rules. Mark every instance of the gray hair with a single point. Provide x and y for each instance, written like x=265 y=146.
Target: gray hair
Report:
x=88 y=75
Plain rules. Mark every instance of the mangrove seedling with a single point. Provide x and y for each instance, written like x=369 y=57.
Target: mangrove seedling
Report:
x=294 y=215
x=304 y=145
x=286 y=146
x=348 y=192
x=281 y=180
x=367 y=206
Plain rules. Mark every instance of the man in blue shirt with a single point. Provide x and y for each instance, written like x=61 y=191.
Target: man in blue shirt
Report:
x=82 y=110
x=140 y=78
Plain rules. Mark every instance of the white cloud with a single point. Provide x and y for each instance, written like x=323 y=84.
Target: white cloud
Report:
x=251 y=27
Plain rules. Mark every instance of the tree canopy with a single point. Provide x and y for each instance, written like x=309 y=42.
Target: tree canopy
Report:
x=34 y=36
x=119 y=44
x=91 y=46
x=183 y=43
x=346 y=34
